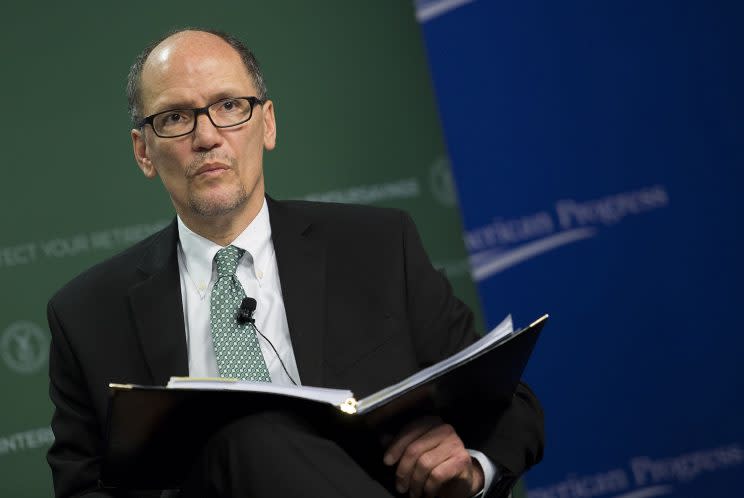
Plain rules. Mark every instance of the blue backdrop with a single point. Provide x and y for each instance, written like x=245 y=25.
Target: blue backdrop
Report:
x=597 y=150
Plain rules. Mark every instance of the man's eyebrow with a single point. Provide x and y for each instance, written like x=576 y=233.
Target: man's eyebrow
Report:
x=171 y=106
x=189 y=104
x=227 y=94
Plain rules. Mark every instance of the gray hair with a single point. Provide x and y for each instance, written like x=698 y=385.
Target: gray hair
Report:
x=134 y=97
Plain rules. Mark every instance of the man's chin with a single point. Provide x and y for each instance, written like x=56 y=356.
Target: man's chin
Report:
x=216 y=206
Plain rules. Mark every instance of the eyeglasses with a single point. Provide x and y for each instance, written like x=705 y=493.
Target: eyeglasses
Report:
x=223 y=114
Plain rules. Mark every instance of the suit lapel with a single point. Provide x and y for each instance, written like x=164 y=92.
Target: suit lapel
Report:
x=158 y=309
x=301 y=262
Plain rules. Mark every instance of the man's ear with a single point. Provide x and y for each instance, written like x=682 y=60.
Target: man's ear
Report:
x=269 y=125
x=139 y=145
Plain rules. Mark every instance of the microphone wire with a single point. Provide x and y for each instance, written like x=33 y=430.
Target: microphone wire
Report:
x=252 y=323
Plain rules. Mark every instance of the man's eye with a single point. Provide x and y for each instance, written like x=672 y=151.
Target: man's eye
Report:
x=229 y=105
x=174 y=117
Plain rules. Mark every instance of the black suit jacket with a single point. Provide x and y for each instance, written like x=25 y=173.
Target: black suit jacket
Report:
x=365 y=308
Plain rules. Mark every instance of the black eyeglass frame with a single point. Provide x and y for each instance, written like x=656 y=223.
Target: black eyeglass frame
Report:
x=197 y=111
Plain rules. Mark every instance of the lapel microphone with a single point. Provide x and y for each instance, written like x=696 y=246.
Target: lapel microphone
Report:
x=245 y=312
x=245 y=315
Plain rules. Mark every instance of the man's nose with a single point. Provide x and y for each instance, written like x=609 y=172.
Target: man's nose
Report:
x=206 y=135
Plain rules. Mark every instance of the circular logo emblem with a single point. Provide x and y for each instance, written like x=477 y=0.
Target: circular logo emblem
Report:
x=442 y=185
x=24 y=347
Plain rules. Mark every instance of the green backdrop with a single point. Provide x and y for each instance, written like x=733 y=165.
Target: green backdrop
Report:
x=357 y=122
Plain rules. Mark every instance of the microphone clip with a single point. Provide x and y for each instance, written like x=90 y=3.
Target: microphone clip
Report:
x=245 y=312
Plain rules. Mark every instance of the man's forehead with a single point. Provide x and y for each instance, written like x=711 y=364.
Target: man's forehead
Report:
x=193 y=41
x=199 y=61
x=189 y=48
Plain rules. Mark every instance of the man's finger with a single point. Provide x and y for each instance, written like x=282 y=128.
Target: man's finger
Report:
x=419 y=458
x=427 y=462
x=451 y=478
x=406 y=436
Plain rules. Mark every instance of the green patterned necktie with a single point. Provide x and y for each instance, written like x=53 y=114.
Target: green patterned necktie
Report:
x=235 y=345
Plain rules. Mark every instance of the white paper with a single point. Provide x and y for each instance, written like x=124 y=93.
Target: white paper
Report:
x=498 y=333
x=333 y=396
x=338 y=397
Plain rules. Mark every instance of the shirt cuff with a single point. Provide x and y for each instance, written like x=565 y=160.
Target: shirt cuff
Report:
x=491 y=473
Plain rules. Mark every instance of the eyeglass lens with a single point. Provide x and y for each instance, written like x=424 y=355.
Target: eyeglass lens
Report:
x=224 y=113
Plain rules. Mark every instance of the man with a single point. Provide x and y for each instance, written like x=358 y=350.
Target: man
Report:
x=346 y=298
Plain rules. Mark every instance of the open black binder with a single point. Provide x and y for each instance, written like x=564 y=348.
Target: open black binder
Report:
x=154 y=433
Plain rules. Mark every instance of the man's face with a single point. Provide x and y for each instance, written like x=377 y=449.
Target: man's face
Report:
x=212 y=171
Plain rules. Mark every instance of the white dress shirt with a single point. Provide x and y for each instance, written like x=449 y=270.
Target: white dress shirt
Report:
x=258 y=273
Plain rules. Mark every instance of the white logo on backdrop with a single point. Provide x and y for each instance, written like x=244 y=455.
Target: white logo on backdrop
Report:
x=76 y=245
x=645 y=477
x=442 y=185
x=439 y=180
x=406 y=188
x=504 y=243
x=31 y=439
x=24 y=347
x=426 y=10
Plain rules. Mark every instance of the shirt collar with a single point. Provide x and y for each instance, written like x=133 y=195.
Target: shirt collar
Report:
x=256 y=239
x=199 y=252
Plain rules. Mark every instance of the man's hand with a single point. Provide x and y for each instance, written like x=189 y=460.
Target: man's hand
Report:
x=433 y=462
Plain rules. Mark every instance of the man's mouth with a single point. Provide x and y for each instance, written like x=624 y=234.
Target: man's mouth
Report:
x=211 y=169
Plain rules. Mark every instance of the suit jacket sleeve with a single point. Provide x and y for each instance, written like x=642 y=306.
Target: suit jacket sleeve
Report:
x=74 y=455
x=441 y=325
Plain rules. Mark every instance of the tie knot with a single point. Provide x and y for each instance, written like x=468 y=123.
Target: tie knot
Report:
x=227 y=260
